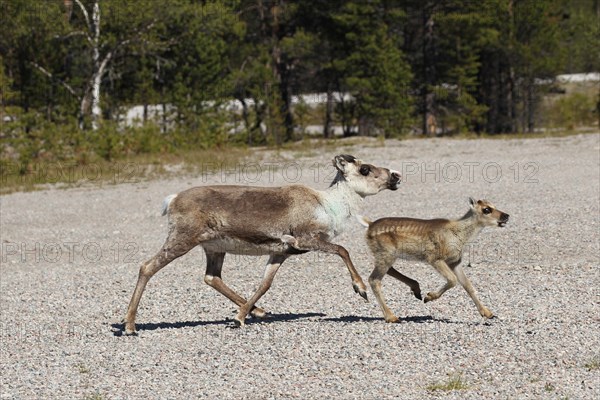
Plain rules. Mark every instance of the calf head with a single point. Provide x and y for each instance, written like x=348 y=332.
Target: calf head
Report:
x=487 y=213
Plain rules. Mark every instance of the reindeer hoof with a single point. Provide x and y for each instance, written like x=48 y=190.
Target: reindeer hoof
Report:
x=392 y=320
x=361 y=292
x=487 y=314
x=289 y=239
x=239 y=323
x=418 y=294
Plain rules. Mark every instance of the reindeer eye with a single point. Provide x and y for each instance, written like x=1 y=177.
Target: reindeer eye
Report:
x=487 y=210
x=364 y=170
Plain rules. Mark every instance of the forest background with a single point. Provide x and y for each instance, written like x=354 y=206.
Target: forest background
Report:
x=89 y=80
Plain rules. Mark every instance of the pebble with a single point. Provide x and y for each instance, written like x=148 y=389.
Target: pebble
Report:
x=61 y=311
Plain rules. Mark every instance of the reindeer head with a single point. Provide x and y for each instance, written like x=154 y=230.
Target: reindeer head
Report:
x=364 y=179
x=487 y=214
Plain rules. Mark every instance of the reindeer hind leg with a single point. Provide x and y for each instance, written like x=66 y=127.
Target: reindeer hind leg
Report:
x=214 y=264
x=174 y=247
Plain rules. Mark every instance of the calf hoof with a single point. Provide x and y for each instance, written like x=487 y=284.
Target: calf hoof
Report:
x=487 y=313
x=430 y=297
x=361 y=291
x=130 y=329
x=392 y=320
x=259 y=313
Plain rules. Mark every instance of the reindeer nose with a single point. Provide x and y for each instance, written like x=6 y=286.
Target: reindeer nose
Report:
x=504 y=217
x=395 y=176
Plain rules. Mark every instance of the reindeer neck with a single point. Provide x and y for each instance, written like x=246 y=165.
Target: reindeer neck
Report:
x=467 y=227
x=341 y=199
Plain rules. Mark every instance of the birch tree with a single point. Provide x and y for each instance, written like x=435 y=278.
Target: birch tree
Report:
x=108 y=29
x=104 y=50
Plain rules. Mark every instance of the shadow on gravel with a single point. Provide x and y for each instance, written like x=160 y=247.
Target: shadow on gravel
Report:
x=119 y=329
x=416 y=319
x=283 y=318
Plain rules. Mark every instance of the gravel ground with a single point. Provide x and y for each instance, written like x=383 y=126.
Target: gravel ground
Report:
x=70 y=260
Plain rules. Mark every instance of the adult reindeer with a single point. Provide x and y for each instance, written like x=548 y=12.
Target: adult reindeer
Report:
x=256 y=221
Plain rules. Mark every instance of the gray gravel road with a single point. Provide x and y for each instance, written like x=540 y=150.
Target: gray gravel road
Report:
x=70 y=260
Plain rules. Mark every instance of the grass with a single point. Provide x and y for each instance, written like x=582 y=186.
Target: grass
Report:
x=94 y=396
x=455 y=382
x=593 y=364
x=38 y=174
x=558 y=133
x=83 y=369
x=67 y=174
x=309 y=145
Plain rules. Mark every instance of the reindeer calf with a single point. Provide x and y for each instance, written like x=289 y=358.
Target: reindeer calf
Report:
x=439 y=242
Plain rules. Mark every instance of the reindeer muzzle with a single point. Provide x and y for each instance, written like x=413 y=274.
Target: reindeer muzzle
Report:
x=503 y=220
x=394 y=180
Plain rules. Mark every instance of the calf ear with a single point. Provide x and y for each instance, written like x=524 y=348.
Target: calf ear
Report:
x=341 y=161
x=472 y=202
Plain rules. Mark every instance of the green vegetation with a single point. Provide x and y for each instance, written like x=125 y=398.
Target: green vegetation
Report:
x=94 y=396
x=66 y=173
x=455 y=382
x=83 y=369
x=593 y=364
x=71 y=70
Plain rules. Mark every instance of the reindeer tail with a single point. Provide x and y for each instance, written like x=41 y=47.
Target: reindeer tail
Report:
x=166 y=202
x=364 y=221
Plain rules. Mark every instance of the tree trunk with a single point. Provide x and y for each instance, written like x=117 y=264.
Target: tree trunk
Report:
x=246 y=118
x=428 y=97
x=98 y=68
x=365 y=126
x=281 y=78
x=286 y=100
x=531 y=98
x=327 y=129
x=163 y=127
x=511 y=98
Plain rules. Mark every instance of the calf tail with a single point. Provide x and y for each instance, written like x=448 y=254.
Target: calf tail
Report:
x=364 y=221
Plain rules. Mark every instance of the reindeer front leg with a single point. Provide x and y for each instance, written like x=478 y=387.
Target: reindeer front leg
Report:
x=318 y=243
x=447 y=273
x=466 y=284
x=273 y=265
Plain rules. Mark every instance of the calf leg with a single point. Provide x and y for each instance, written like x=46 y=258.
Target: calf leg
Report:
x=414 y=285
x=464 y=281
x=214 y=264
x=382 y=265
x=318 y=243
x=447 y=273
x=273 y=265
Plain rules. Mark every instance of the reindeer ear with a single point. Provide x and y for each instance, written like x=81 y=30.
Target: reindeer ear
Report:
x=342 y=160
x=472 y=202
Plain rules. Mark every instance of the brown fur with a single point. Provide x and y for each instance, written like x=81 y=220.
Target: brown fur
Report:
x=253 y=220
x=439 y=242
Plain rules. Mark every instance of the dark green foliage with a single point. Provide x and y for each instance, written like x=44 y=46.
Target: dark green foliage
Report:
x=437 y=66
